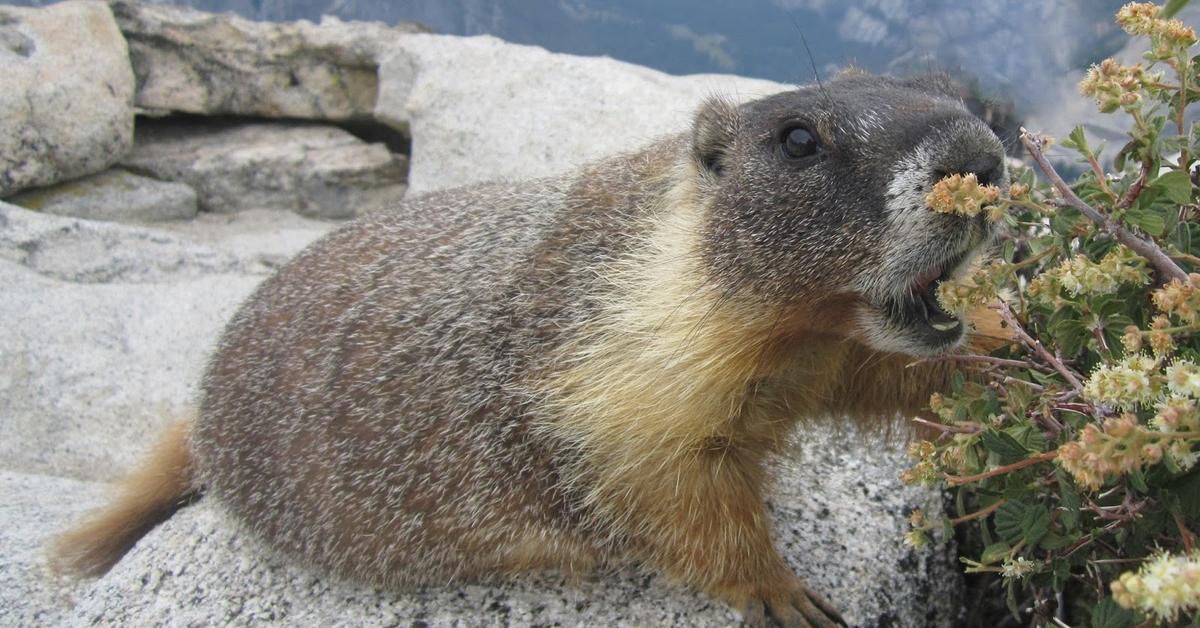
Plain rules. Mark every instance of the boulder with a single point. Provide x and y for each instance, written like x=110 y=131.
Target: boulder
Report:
x=34 y=508
x=66 y=93
x=312 y=169
x=107 y=329
x=113 y=195
x=108 y=326
x=480 y=109
x=840 y=512
x=194 y=62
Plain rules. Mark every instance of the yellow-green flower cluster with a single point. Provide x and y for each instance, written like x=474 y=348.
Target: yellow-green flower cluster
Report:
x=1114 y=85
x=1183 y=378
x=1121 y=446
x=974 y=289
x=954 y=457
x=1018 y=567
x=1180 y=299
x=1132 y=382
x=1165 y=586
x=1178 y=415
x=961 y=194
x=1167 y=36
x=1080 y=276
x=1161 y=341
x=1138 y=18
x=924 y=472
x=916 y=539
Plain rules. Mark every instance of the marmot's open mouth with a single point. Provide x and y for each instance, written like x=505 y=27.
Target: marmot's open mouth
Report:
x=919 y=309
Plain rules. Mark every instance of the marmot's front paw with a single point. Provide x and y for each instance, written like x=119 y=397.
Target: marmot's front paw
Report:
x=791 y=604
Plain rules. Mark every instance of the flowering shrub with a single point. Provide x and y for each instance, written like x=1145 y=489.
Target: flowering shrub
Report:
x=1072 y=449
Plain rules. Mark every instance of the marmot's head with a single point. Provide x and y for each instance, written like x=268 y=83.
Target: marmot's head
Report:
x=818 y=194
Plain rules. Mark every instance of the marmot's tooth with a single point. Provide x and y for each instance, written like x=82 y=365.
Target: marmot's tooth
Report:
x=945 y=326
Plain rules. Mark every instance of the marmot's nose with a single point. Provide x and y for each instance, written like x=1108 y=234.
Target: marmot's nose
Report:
x=986 y=167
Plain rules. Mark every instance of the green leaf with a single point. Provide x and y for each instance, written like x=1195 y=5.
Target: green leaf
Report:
x=1027 y=436
x=1181 y=237
x=1053 y=540
x=1004 y=445
x=995 y=553
x=1008 y=522
x=1010 y=599
x=1138 y=480
x=1194 y=132
x=972 y=460
x=957 y=380
x=1187 y=489
x=1064 y=220
x=1077 y=141
x=1147 y=220
x=1061 y=571
x=1109 y=614
x=1172 y=7
x=1176 y=185
x=1035 y=524
x=1069 y=499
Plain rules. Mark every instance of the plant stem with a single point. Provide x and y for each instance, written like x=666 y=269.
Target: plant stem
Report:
x=1032 y=460
x=1014 y=380
x=956 y=429
x=1034 y=259
x=1185 y=257
x=1146 y=248
x=1134 y=190
x=1099 y=172
x=987 y=359
x=1023 y=336
x=1184 y=533
x=978 y=514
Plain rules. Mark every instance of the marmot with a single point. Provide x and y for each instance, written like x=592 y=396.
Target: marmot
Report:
x=557 y=373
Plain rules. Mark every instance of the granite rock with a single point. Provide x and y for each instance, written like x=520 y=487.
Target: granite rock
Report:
x=312 y=169
x=108 y=326
x=33 y=509
x=840 y=509
x=106 y=331
x=66 y=93
x=113 y=195
x=480 y=109
x=196 y=62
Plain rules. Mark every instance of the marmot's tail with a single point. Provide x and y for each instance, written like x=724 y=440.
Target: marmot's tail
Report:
x=147 y=497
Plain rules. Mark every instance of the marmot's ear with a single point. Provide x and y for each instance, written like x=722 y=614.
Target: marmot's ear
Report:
x=713 y=133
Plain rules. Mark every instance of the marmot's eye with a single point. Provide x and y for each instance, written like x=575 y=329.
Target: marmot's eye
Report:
x=799 y=143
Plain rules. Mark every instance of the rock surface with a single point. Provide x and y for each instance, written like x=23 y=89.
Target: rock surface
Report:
x=113 y=195
x=199 y=569
x=311 y=169
x=34 y=508
x=108 y=326
x=196 y=62
x=481 y=109
x=66 y=93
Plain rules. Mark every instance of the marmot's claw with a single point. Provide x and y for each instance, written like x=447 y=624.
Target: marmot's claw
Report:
x=754 y=615
x=796 y=606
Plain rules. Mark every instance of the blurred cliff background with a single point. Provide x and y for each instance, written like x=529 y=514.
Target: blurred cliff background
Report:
x=1027 y=54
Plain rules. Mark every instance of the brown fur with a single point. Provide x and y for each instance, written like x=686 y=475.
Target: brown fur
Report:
x=146 y=497
x=573 y=371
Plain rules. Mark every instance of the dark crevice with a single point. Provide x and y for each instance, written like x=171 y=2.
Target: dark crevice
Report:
x=366 y=129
